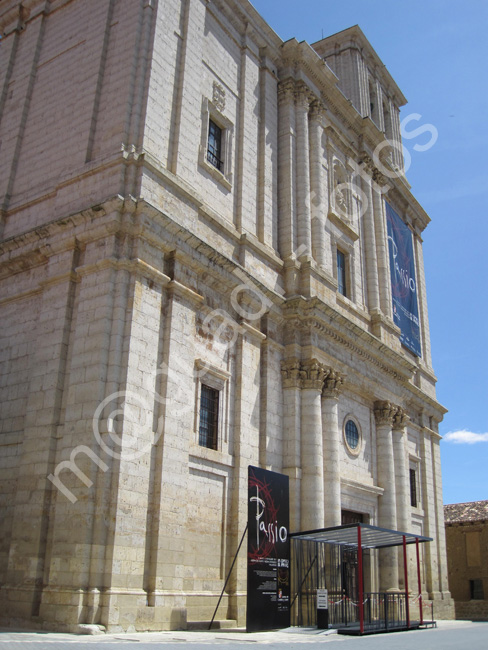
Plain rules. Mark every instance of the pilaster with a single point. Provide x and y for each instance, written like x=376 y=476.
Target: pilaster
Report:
x=370 y=246
x=304 y=232
x=381 y=246
x=28 y=564
x=245 y=452
x=429 y=504
x=286 y=167
x=319 y=199
x=422 y=294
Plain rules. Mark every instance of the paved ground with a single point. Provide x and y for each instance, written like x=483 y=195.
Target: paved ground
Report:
x=449 y=635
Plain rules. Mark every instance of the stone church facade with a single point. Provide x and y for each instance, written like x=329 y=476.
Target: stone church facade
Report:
x=195 y=278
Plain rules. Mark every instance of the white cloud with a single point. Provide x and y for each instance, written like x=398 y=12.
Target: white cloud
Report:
x=465 y=437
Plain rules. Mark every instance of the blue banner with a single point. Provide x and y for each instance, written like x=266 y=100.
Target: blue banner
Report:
x=403 y=282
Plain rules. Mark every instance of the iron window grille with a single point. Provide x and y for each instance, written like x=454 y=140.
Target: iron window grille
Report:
x=341 y=273
x=476 y=590
x=209 y=417
x=214 y=147
x=413 y=488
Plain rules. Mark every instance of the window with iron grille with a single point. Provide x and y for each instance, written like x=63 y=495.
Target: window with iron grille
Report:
x=413 y=488
x=476 y=590
x=214 y=146
x=209 y=417
x=341 y=273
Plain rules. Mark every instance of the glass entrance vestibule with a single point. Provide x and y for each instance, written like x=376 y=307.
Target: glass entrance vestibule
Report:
x=331 y=570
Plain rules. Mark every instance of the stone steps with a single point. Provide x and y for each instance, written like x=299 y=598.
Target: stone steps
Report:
x=226 y=624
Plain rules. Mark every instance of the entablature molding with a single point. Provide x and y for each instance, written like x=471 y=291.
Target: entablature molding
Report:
x=315 y=314
x=373 y=490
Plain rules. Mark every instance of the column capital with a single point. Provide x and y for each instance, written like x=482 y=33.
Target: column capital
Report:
x=303 y=96
x=317 y=111
x=367 y=164
x=290 y=373
x=303 y=374
x=286 y=91
x=400 y=419
x=385 y=412
x=312 y=374
x=332 y=384
x=379 y=178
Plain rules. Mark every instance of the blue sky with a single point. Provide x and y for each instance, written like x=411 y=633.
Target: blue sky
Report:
x=436 y=52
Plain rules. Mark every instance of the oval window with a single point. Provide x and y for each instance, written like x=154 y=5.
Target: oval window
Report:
x=352 y=435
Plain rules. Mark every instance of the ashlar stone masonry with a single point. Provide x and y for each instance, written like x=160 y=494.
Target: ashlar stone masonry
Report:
x=194 y=277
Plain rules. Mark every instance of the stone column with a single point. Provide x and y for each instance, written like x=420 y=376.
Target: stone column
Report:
x=401 y=470
x=332 y=437
x=319 y=206
x=387 y=518
x=312 y=493
x=290 y=372
x=304 y=232
x=401 y=481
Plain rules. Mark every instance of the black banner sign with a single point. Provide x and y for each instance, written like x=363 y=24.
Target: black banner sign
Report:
x=268 y=551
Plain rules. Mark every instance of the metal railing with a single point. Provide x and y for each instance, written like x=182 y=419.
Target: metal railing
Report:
x=215 y=161
x=385 y=611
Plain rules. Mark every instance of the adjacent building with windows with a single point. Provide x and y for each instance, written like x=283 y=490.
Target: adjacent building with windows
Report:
x=206 y=241
x=467 y=553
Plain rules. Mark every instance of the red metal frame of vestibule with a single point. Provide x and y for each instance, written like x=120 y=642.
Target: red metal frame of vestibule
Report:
x=365 y=536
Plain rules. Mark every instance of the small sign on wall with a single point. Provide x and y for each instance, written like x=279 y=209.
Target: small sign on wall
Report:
x=322 y=609
x=322 y=599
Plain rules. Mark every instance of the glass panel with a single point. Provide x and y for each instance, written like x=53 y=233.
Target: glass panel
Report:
x=214 y=151
x=352 y=434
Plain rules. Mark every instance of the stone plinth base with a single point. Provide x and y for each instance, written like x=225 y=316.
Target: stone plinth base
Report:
x=89 y=611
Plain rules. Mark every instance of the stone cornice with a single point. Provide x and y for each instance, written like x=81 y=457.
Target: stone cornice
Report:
x=180 y=290
x=354 y=38
x=17 y=13
x=362 y=487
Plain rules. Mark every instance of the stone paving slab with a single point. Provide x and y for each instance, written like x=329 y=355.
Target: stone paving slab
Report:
x=213 y=637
